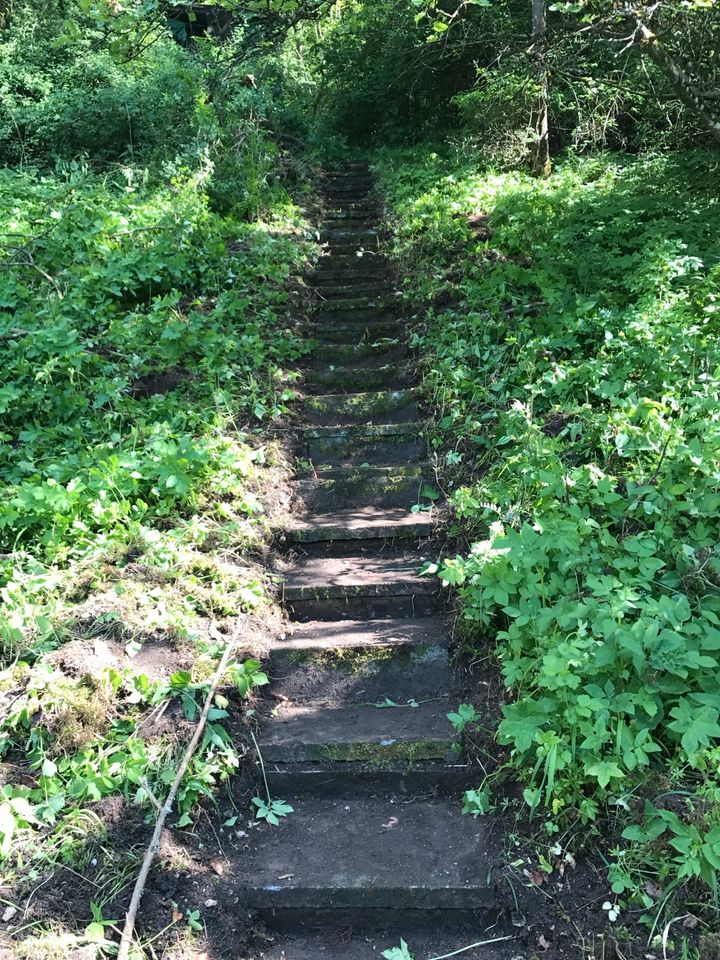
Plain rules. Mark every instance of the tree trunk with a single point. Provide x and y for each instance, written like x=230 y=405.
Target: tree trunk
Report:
x=540 y=153
x=679 y=81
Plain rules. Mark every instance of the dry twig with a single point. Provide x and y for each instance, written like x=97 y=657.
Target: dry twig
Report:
x=127 y=933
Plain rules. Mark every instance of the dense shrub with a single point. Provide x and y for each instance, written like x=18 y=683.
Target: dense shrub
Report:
x=575 y=374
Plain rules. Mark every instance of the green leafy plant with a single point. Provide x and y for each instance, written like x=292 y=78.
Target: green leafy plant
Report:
x=268 y=808
x=570 y=346
x=95 y=931
x=398 y=953
x=271 y=810
x=465 y=714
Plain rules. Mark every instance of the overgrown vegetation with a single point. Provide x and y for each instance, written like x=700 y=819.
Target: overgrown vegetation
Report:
x=152 y=207
x=572 y=354
x=146 y=341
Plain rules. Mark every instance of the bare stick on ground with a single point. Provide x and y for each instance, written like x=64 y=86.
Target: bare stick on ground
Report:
x=127 y=934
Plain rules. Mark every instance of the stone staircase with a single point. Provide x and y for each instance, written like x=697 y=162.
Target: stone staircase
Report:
x=360 y=745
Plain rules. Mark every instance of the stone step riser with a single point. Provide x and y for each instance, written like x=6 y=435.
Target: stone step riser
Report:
x=411 y=471
x=352 y=452
x=331 y=316
x=372 y=288
x=347 y=546
x=344 y=379
x=376 y=608
x=340 y=213
x=364 y=408
x=328 y=495
x=350 y=215
x=355 y=357
x=376 y=302
x=325 y=779
x=370 y=675
x=354 y=334
x=327 y=285
x=361 y=188
x=359 y=250
x=426 y=910
x=352 y=265
x=341 y=540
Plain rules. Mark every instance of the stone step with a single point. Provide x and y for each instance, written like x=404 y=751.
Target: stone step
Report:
x=358 y=732
x=350 y=248
x=354 y=860
x=349 y=213
x=365 y=575
x=366 y=206
x=373 y=584
x=381 y=350
x=380 y=673
x=365 y=634
x=361 y=305
x=350 y=177
x=353 y=331
x=342 y=196
x=361 y=523
x=411 y=471
x=357 y=184
x=345 y=379
x=369 y=287
x=349 y=233
x=369 y=264
x=327 y=316
x=441 y=940
x=379 y=445
x=381 y=406
x=398 y=776
x=360 y=489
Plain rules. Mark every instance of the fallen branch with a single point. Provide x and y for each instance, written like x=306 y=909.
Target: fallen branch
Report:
x=471 y=946
x=127 y=933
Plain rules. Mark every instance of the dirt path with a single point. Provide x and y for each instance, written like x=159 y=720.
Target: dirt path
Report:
x=377 y=847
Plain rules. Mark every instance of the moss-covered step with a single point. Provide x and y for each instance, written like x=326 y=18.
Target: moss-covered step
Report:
x=350 y=214
x=357 y=307
x=362 y=287
x=382 y=675
x=346 y=379
x=352 y=248
x=314 y=732
x=359 y=489
x=363 y=634
x=358 y=861
x=361 y=523
x=433 y=939
x=368 y=204
x=374 y=585
x=416 y=471
x=381 y=444
x=380 y=351
x=349 y=234
x=353 y=331
x=429 y=777
x=329 y=269
x=380 y=406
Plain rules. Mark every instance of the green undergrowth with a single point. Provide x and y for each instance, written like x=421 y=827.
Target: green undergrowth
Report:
x=148 y=349
x=570 y=344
